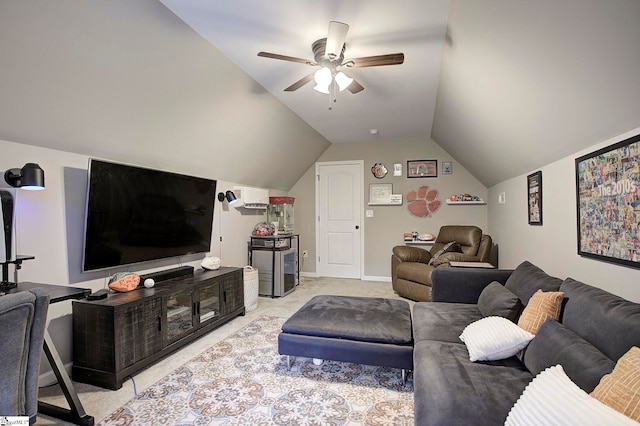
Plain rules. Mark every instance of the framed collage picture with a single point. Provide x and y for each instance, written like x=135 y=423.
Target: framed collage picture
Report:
x=608 y=203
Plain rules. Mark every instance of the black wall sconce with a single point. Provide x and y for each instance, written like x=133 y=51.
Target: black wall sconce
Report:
x=229 y=196
x=31 y=176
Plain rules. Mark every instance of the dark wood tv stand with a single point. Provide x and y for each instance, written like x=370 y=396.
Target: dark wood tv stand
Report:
x=116 y=337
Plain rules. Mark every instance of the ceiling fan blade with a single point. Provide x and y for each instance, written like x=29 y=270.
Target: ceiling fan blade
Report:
x=298 y=84
x=335 y=38
x=376 y=61
x=355 y=87
x=284 y=58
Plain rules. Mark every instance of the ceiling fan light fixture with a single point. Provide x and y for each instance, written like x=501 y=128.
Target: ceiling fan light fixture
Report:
x=323 y=79
x=321 y=89
x=343 y=80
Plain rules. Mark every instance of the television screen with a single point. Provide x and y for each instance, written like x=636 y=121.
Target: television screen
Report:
x=136 y=215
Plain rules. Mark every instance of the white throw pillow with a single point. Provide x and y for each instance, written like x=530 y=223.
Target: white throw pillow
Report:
x=553 y=399
x=493 y=338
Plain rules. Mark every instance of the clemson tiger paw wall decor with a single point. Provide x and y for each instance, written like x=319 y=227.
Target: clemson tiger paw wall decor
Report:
x=423 y=202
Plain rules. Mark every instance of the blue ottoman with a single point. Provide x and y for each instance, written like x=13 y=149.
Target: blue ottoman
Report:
x=362 y=330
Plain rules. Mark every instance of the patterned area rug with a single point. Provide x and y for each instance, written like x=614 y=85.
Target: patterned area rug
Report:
x=244 y=381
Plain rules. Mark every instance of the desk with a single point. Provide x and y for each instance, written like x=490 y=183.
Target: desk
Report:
x=76 y=413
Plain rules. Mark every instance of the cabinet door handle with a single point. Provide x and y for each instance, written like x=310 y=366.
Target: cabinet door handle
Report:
x=159 y=323
x=224 y=296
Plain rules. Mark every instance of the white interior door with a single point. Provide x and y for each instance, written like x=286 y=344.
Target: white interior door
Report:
x=339 y=215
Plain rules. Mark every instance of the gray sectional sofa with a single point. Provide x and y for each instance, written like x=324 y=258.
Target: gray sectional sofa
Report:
x=595 y=329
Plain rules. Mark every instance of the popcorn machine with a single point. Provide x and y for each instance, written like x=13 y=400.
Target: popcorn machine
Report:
x=280 y=212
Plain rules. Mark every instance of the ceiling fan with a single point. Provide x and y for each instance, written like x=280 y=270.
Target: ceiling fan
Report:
x=328 y=54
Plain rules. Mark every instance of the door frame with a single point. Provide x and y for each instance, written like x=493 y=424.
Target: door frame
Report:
x=360 y=164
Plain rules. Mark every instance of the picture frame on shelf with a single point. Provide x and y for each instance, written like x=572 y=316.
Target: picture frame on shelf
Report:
x=608 y=203
x=380 y=193
x=422 y=168
x=534 y=198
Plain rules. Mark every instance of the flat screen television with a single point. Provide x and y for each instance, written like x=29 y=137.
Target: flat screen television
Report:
x=135 y=215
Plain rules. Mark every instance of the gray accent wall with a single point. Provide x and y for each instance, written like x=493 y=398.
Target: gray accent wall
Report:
x=385 y=229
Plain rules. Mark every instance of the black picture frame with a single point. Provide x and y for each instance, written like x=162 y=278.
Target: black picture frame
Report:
x=422 y=168
x=534 y=198
x=608 y=203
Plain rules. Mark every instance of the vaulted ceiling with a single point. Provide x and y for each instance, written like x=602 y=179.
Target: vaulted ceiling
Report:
x=505 y=86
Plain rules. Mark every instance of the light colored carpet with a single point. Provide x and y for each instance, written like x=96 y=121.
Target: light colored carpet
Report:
x=100 y=402
x=242 y=380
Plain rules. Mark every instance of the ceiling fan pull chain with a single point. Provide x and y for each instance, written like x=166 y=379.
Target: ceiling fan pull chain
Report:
x=333 y=91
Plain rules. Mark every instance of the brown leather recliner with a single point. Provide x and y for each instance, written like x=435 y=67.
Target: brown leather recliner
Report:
x=410 y=268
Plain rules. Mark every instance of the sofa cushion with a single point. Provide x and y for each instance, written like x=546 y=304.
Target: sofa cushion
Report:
x=527 y=278
x=442 y=321
x=464 y=285
x=598 y=316
x=493 y=338
x=542 y=306
x=451 y=390
x=620 y=389
x=496 y=300
x=552 y=398
x=555 y=344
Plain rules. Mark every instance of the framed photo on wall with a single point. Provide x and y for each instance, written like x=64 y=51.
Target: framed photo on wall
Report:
x=608 y=203
x=534 y=191
x=422 y=168
x=380 y=193
x=447 y=168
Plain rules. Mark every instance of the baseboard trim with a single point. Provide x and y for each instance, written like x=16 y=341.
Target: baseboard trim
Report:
x=375 y=278
x=48 y=378
x=364 y=278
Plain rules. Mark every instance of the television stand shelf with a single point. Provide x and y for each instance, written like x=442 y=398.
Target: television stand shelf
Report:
x=116 y=337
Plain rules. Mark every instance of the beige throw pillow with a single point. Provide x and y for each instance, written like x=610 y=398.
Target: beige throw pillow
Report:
x=541 y=307
x=620 y=389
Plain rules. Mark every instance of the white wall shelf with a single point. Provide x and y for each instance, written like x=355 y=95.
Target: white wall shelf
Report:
x=419 y=243
x=465 y=203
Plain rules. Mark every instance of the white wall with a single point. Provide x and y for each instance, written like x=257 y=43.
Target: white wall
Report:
x=553 y=246
x=49 y=225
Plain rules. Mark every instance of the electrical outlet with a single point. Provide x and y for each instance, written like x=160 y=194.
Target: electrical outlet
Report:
x=305 y=254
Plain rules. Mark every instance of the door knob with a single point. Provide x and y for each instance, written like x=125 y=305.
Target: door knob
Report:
x=357 y=226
